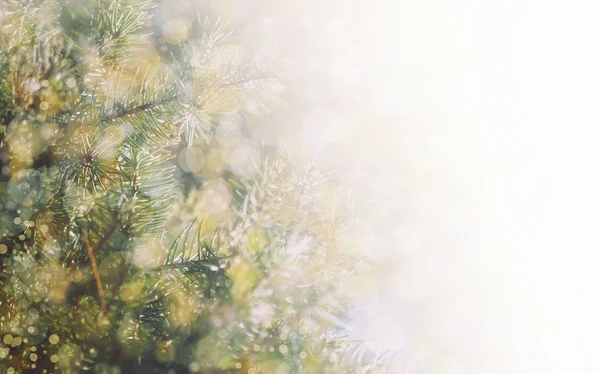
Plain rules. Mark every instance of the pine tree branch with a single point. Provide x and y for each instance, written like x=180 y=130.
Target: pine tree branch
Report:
x=170 y=99
x=249 y=79
x=95 y=270
x=137 y=109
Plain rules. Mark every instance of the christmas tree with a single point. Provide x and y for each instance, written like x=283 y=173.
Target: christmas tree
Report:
x=142 y=231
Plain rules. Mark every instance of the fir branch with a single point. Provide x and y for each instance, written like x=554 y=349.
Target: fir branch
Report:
x=125 y=112
x=95 y=270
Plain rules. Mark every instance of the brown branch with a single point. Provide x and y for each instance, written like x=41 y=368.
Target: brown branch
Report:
x=137 y=109
x=169 y=99
x=95 y=270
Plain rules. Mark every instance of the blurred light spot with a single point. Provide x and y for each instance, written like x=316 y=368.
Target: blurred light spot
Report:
x=71 y=82
x=111 y=270
x=228 y=134
x=214 y=165
x=70 y=357
x=191 y=159
x=245 y=160
x=149 y=254
x=215 y=197
x=130 y=290
x=32 y=85
x=176 y=31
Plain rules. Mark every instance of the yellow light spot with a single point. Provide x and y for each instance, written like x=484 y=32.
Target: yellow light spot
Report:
x=257 y=241
x=256 y=347
x=54 y=359
x=213 y=165
x=303 y=355
x=31 y=329
x=71 y=82
x=33 y=357
x=175 y=31
x=130 y=290
x=17 y=341
x=53 y=339
x=44 y=105
x=77 y=276
x=70 y=357
x=3 y=248
x=8 y=338
x=283 y=348
x=244 y=277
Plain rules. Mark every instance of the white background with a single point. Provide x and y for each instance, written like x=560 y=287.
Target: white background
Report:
x=473 y=124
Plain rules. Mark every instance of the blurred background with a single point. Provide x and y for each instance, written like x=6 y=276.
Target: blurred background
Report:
x=466 y=131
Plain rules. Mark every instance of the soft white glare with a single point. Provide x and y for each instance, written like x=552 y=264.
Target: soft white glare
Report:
x=228 y=134
x=474 y=124
x=245 y=160
x=511 y=88
x=191 y=159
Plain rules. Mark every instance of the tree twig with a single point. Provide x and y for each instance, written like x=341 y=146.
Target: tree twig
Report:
x=137 y=109
x=95 y=270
